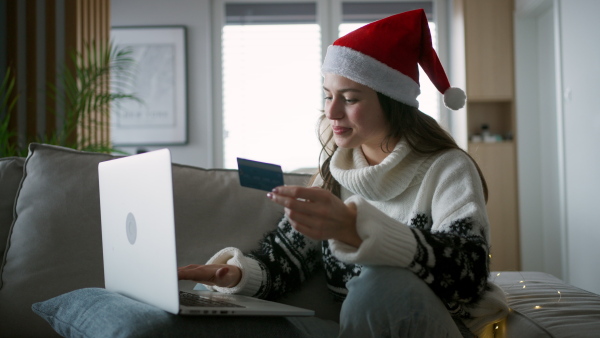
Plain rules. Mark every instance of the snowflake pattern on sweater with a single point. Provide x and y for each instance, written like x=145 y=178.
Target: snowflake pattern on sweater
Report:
x=462 y=260
x=288 y=258
x=450 y=254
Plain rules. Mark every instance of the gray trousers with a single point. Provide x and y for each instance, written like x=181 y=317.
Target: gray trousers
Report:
x=386 y=302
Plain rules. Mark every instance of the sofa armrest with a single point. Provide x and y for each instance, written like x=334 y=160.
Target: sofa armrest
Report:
x=542 y=305
x=11 y=173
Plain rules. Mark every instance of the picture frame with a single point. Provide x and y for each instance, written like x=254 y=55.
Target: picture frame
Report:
x=160 y=82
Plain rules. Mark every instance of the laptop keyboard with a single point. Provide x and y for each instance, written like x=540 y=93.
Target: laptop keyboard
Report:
x=192 y=299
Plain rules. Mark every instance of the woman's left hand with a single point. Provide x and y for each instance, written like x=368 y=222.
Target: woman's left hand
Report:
x=318 y=214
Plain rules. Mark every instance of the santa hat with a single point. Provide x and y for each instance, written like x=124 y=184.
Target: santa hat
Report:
x=384 y=55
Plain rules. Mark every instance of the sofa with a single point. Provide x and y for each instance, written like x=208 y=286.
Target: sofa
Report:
x=50 y=244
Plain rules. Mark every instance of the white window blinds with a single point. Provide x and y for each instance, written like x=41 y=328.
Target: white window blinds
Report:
x=271 y=56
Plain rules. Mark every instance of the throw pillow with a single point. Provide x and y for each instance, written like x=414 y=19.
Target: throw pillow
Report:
x=96 y=312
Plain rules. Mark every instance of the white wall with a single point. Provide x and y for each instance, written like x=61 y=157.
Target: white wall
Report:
x=539 y=163
x=581 y=105
x=550 y=173
x=528 y=144
x=558 y=121
x=196 y=16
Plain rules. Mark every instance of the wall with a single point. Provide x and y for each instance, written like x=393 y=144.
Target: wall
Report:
x=538 y=157
x=550 y=157
x=196 y=16
x=557 y=115
x=528 y=145
x=579 y=27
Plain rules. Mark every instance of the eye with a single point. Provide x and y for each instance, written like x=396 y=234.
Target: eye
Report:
x=350 y=101
x=328 y=98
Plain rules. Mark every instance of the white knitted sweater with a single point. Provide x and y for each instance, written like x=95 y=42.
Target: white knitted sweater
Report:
x=423 y=213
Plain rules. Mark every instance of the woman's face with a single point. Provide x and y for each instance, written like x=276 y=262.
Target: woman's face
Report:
x=355 y=116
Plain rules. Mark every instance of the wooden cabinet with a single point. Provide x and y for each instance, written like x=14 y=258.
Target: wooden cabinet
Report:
x=497 y=161
x=489 y=49
x=489 y=68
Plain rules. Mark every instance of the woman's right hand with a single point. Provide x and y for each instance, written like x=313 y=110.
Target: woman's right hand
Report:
x=222 y=275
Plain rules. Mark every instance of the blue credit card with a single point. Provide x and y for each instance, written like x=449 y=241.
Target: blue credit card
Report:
x=259 y=175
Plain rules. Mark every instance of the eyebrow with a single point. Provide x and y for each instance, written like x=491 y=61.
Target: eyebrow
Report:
x=345 y=90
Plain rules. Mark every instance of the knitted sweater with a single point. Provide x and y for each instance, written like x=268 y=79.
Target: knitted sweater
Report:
x=423 y=213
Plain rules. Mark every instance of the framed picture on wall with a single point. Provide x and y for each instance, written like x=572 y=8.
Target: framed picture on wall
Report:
x=159 y=77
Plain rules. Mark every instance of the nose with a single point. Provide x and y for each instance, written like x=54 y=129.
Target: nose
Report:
x=334 y=110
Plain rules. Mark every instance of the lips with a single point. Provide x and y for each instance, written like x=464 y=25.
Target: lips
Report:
x=340 y=130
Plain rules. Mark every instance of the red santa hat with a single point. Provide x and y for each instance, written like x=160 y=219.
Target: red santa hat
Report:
x=384 y=55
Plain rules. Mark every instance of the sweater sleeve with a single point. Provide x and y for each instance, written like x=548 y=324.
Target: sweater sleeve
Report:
x=285 y=259
x=445 y=243
x=253 y=272
x=288 y=258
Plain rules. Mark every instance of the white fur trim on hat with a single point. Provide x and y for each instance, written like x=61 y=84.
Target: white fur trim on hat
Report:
x=372 y=73
x=454 y=98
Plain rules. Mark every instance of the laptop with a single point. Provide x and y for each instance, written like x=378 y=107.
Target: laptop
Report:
x=138 y=242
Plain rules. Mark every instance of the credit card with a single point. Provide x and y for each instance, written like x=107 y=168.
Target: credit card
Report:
x=259 y=175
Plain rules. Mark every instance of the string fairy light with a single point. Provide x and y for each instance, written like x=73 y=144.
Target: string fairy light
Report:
x=524 y=286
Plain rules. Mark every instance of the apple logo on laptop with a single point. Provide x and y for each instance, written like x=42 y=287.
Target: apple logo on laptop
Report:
x=131 y=228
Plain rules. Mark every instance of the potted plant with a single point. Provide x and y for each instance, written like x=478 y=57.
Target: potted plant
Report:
x=85 y=93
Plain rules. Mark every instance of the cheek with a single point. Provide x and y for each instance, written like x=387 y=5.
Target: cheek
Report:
x=360 y=117
x=371 y=120
x=378 y=127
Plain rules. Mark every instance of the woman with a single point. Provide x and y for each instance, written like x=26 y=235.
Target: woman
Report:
x=397 y=209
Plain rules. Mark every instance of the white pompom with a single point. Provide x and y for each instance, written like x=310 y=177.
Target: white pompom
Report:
x=454 y=98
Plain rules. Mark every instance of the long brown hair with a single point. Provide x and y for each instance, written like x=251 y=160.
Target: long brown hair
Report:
x=420 y=131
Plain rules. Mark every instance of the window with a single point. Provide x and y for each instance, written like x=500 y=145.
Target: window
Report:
x=268 y=91
x=271 y=55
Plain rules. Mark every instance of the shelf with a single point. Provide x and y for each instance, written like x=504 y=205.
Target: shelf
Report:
x=484 y=146
x=496 y=114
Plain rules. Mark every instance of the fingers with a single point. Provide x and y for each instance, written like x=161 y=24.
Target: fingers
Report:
x=291 y=203
x=197 y=273
x=214 y=274
x=222 y=273
x=298 y=192
x=300 y=199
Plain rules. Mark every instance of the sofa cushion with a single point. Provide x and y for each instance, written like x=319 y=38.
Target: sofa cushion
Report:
x=95 y=312
x=542 y=305
x=55 y=242
x=11 y=172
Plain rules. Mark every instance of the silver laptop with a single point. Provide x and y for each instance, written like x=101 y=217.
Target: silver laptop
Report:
x=138 y=242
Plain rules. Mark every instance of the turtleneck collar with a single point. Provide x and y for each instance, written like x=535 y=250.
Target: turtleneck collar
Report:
x=380 y=182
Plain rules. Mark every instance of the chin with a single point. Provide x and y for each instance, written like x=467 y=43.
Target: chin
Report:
x=346 y=142
x=346 y=145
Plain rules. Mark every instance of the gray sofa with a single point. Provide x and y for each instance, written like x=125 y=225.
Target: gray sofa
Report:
x=51 y=245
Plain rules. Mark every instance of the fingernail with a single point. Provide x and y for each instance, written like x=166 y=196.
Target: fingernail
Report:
x=269 y=195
